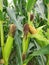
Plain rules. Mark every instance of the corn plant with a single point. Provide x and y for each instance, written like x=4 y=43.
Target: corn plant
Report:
x=23 y=42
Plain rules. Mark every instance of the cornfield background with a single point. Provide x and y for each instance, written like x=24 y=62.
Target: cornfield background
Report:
x=24 y=32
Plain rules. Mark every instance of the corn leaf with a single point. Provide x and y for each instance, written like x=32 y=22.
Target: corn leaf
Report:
x=1 y=16
x=30 y=5
x=5 y=2
x=18 y=48
x=46 y=1
x=43 y=50
x=12 y=15
x=14 y=1
x=1 y=5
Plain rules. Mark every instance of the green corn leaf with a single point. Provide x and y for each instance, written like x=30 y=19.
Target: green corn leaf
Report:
x=14 y=1
x=18 y=48
x=5 y=2
x=47 y=34
x=1 y=16
x=30 y=4
x=46 y=1
x=42 y=41
x=40 y=38
x=1 y=5
x=43 y=50
x=47 y=60
x=1 y=9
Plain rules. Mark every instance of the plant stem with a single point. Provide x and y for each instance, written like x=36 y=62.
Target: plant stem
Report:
x=6 y=63
x=47 y=60
x=28 y=18
x=48 y=13
x=1 y=27
x=2 y=36
x=48 y=24
x=1 y=5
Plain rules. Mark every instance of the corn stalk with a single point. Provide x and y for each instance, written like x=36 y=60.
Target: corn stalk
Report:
x=2 y=36
x=1 y=5
x=48 y=12
x=1 y=25
x=30 y=4
x=48 y=24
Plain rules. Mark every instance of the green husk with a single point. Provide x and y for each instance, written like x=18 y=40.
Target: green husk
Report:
x=25 y=43
x=8 y=48
x=41 y=40
x=9 y=43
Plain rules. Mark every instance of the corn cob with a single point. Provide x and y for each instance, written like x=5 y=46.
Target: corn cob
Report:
x=25 y=42
x=42 y=41
x=9 y=43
